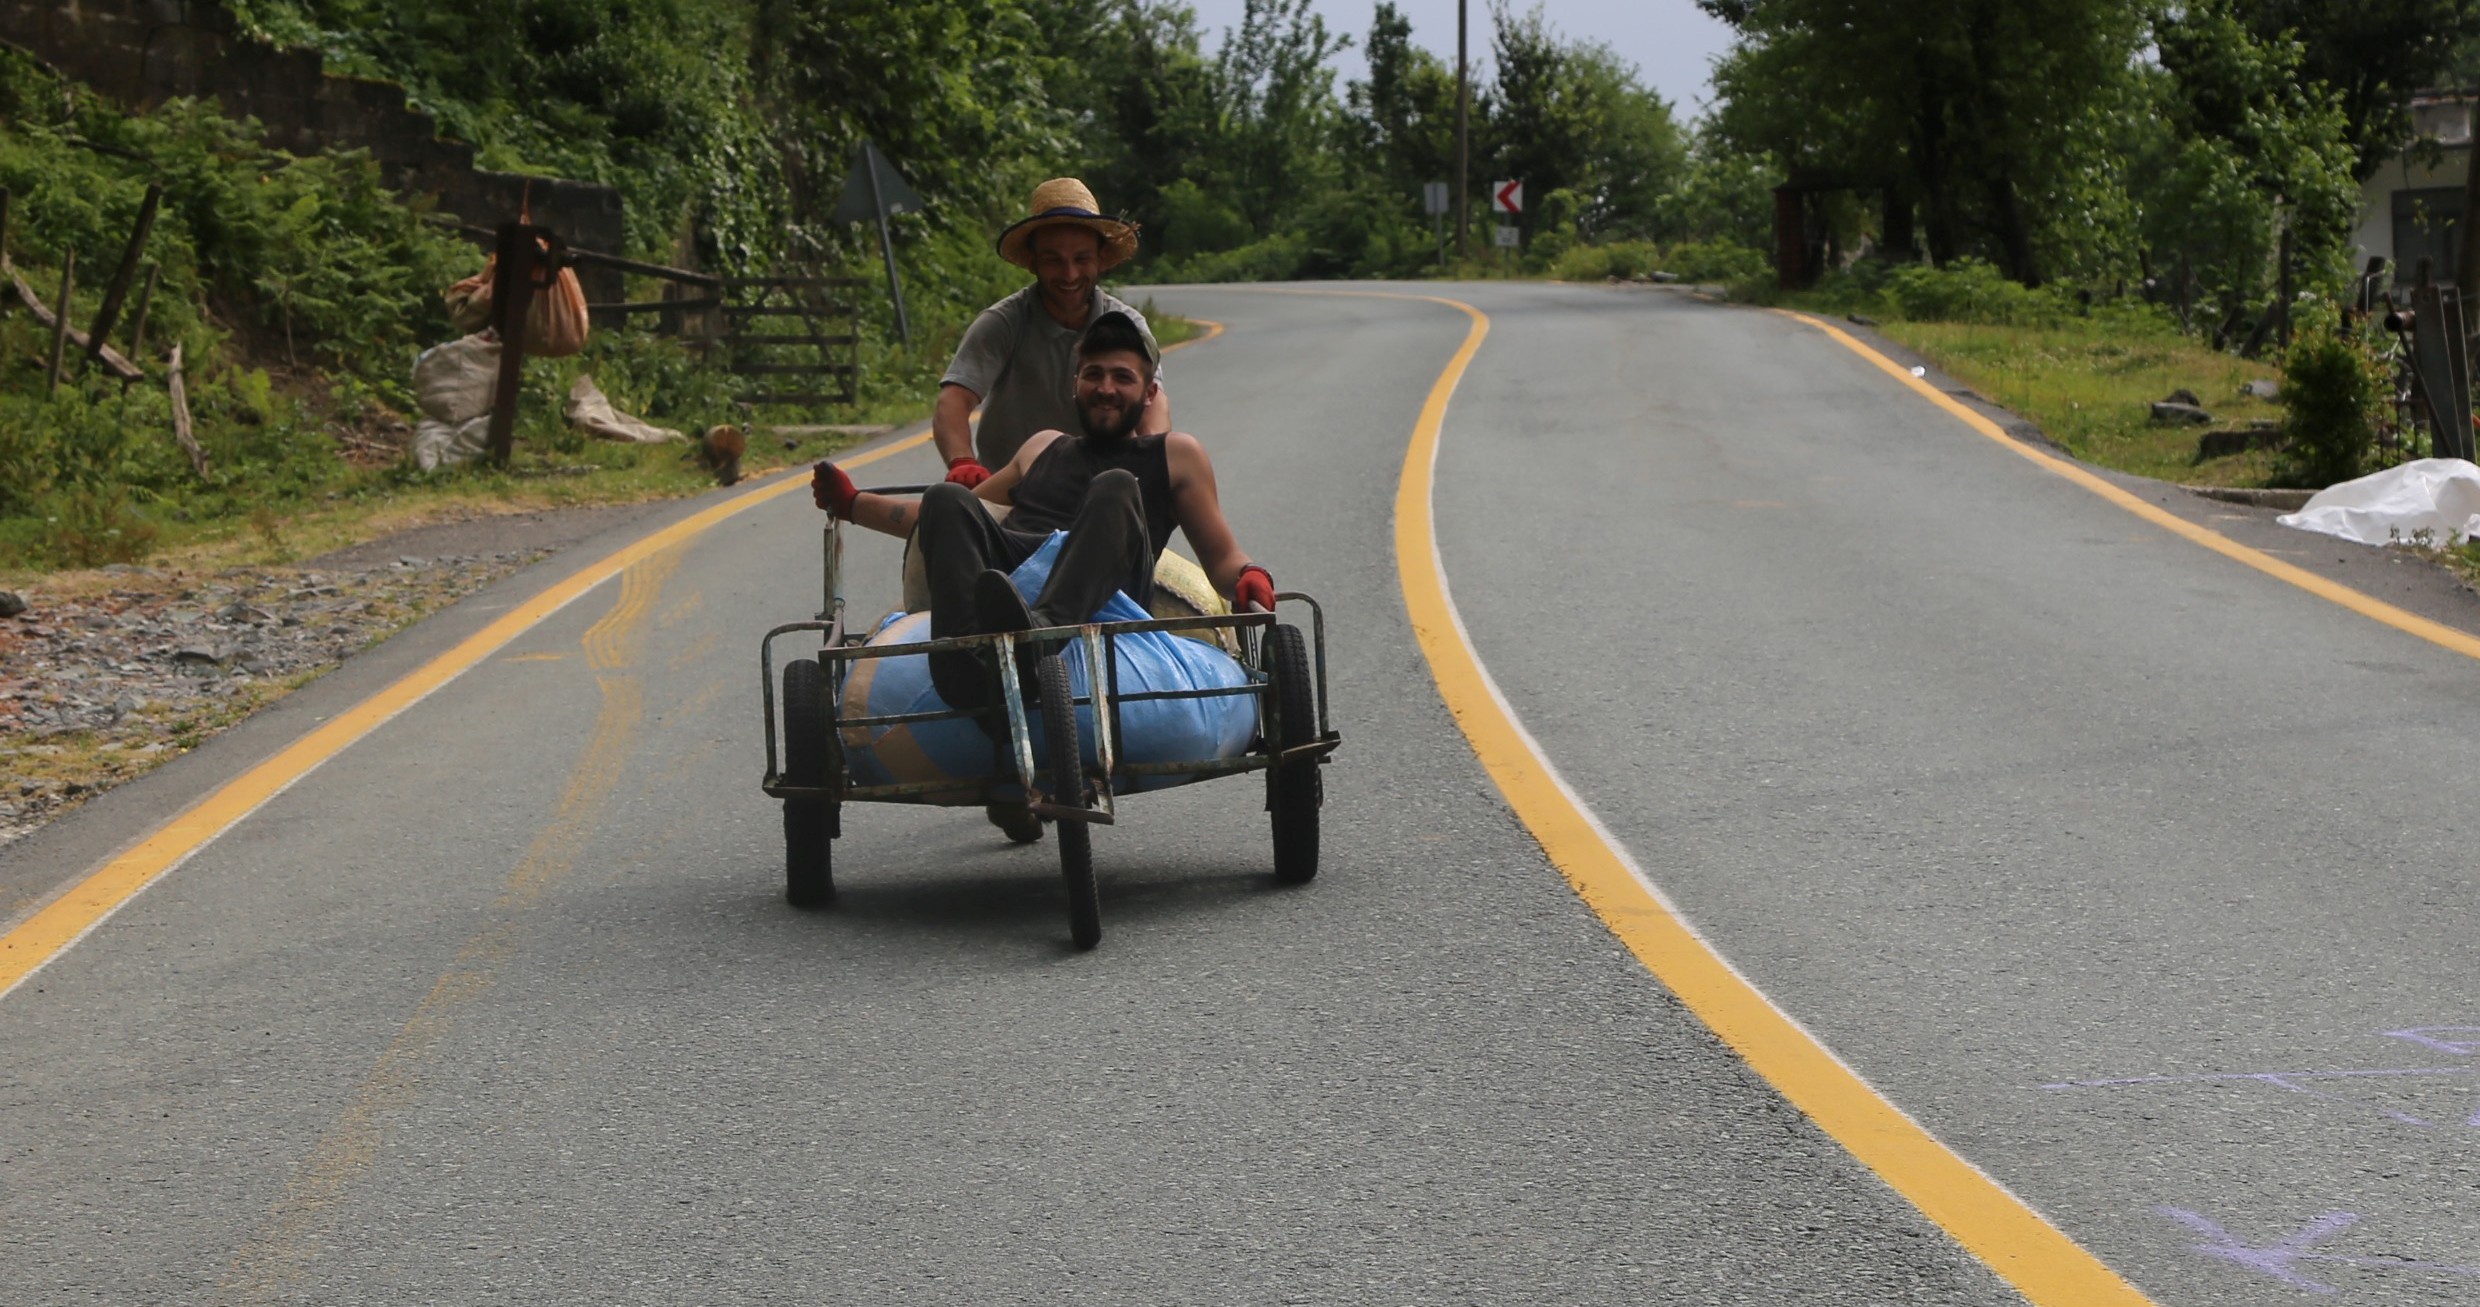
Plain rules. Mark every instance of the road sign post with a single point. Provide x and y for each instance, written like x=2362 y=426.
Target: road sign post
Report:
x=1434 y=203
x=1507 y=197
x=875 y=191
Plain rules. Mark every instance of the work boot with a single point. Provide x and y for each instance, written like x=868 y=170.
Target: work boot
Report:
x=1016 y=821
x=998 y=608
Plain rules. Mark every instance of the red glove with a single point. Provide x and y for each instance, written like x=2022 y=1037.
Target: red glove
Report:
x=832 y=490
x=1255 y=586
x=967 y=471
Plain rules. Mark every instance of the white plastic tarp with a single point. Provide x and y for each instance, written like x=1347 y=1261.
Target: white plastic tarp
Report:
x=589 y=408
x=2438 y=496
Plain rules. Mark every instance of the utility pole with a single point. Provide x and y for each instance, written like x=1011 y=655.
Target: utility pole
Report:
x=1463 y=139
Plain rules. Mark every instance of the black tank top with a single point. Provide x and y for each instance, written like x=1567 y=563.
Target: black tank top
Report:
x=1046 y=500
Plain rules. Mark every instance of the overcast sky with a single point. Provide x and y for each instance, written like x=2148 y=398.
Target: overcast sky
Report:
x=1671 y=42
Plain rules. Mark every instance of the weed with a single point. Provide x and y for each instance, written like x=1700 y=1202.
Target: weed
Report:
x=2335 y=379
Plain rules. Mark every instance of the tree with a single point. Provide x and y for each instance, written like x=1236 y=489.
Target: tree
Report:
x=1278 y=107
x=1571 y=116
x=1982 y=114
x=1402 y=120
x=2249 y=155
x=2373 y=54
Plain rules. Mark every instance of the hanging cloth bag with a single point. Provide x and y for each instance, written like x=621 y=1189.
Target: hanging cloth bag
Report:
x=555 y=317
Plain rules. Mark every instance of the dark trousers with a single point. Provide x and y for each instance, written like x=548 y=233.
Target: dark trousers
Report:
x=1106 y=551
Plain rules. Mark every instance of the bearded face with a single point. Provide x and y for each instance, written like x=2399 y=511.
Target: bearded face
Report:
x=1110 y=396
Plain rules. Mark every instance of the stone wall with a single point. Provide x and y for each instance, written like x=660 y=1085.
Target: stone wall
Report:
x=143 y=52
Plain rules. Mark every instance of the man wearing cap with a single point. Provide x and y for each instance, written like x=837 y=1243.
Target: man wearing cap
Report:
x=1014 y=361
x=1117 y=494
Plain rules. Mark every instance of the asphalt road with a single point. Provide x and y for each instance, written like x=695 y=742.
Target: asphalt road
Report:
x=1994 y=786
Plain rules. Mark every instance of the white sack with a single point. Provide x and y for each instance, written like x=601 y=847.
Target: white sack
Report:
x=445 y=444
x=590 y=408
x=452 y=385
x=452 y=382
x=2438 y=495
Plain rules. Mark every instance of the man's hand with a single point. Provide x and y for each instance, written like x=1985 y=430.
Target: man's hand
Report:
x=967 y=471
x=1255 y=585
x=832 y=490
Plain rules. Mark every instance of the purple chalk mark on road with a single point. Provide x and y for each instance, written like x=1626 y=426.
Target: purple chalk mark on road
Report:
x=2426 y=1036
x=2275 y=1259
x=2290 y=1081
x=2281 y=1258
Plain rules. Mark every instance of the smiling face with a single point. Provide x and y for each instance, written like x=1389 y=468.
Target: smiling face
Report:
x=1066 y=261
x=1112 y=387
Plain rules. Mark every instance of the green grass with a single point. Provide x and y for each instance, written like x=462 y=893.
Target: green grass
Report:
x=2090 y=386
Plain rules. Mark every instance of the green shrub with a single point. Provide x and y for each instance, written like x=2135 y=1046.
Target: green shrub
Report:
x=1724 y=262
x=2334 y=379
x=1620 y=259
x=1280 y=257
x=1969 y=290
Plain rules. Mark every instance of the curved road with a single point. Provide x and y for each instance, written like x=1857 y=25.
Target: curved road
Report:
x=2133 y=875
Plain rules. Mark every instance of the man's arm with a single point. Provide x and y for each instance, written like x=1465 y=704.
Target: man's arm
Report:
x=979 y=360
x=1198 y=505
x=833 y=490
x=951 y=422
x=1157 y=415
x=882 y=512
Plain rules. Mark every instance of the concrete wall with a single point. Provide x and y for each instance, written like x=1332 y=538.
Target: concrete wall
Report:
x=144 y=52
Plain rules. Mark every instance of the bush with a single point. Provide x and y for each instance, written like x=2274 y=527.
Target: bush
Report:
x=264 y=259
x=2334 y=379
x=1970 y=290
x=1620 y=259
x=1280 y=257
x=1701 y=261
x=1718 y=261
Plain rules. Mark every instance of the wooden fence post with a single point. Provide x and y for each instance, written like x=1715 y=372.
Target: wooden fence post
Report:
x=137 y=319
x=109 y=315
x=512 y=294
x=60 y=321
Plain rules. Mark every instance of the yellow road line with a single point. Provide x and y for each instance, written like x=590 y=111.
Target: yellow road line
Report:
x=68 y=918
x=297 y=1227
x=1213 y=329
x=2046 y=1266
x=2436 y=633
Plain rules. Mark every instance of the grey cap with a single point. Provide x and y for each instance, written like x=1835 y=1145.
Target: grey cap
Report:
x=1107 y=320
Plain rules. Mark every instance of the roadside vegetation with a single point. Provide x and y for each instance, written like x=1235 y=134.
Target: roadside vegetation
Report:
x=2081 y=207
x=2076 y=224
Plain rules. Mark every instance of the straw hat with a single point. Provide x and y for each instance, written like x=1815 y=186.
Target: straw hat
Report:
x=1064 y=201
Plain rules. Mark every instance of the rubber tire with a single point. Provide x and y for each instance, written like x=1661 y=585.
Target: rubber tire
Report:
x=1067 y=786
x=810 y=825
x=1294 y=793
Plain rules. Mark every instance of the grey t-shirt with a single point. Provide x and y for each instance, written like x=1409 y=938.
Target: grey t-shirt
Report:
x=1019 y=359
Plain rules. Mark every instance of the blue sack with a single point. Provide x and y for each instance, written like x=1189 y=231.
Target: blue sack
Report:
x=1155 y=730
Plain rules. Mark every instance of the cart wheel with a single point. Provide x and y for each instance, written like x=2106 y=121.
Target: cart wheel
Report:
x=1293 y=793
x=810 y=825
x=1067 y=785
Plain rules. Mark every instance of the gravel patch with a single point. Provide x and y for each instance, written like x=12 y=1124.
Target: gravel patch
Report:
x=102 y=686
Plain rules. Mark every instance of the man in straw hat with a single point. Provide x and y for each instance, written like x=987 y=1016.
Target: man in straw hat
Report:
x=1014 y=363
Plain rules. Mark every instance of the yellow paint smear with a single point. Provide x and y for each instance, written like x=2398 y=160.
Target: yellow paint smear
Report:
x=85 y=905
